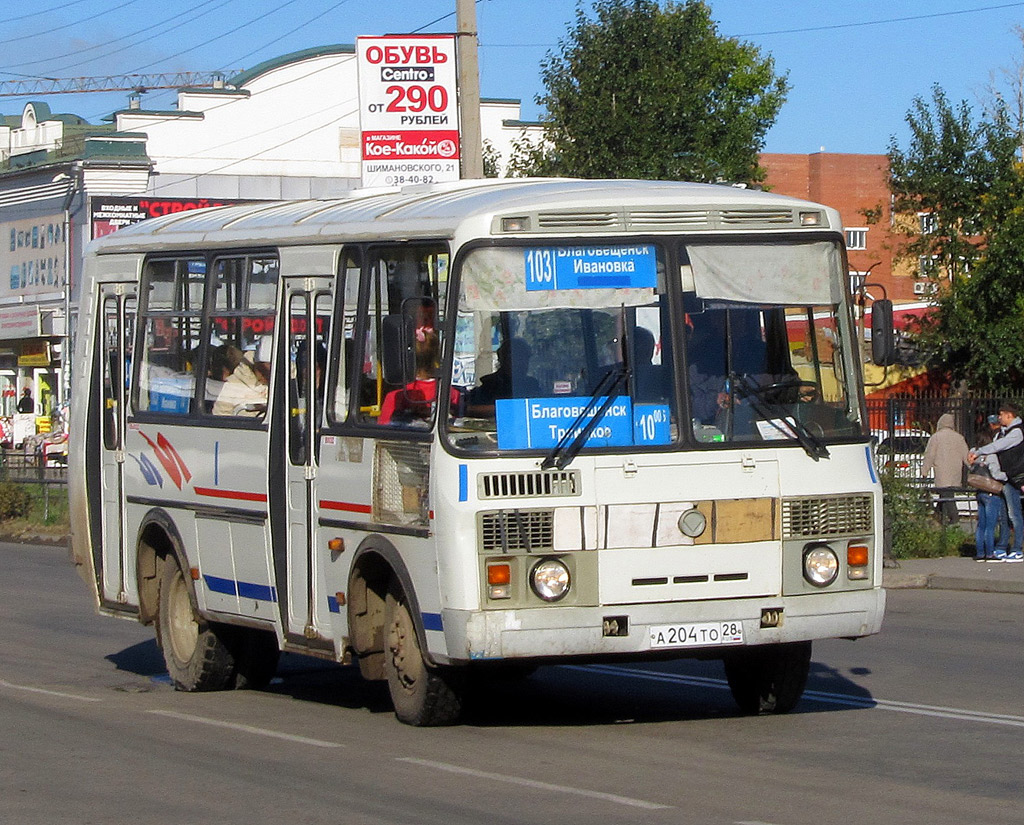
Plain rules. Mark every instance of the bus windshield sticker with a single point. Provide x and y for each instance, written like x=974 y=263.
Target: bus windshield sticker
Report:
x=590 y=267
x=539 y=423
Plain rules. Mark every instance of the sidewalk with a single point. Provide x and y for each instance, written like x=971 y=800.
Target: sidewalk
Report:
x=955 y=573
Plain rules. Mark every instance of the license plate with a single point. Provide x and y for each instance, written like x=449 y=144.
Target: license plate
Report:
x=704 y=634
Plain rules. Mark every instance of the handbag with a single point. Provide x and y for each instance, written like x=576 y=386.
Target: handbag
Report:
x=982 y=480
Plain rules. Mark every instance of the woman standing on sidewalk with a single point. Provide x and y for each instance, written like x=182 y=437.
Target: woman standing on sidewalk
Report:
x=991 y=512
x=1008 y=447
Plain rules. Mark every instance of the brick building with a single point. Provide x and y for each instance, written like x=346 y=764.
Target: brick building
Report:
x=856 y=185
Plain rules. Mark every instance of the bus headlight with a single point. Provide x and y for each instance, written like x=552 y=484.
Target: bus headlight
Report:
x=550 y=579
x=821 y=565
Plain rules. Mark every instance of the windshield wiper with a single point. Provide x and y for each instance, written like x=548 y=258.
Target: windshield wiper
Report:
x=813 y=446
x=562 y=453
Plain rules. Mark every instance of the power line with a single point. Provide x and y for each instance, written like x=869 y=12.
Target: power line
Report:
x=118 y=5
x=288 y=34
x=880 y=22
x=190 y=13
x=61 y=7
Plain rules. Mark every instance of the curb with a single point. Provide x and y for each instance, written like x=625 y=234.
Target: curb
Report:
x=935 y=581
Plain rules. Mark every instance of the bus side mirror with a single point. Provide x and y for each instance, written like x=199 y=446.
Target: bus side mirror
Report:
x=883 y=334
x=398 y=358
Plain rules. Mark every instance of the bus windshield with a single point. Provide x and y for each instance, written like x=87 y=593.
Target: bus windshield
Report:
x=548 y=339
x=542 y=334
x=759 y=373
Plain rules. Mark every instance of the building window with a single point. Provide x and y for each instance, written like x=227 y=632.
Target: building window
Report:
x=929 y=222
x=856 y=238
x=927 y=266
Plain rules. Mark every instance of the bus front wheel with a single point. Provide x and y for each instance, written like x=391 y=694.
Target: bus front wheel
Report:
x=423 y=695
x=197 y=658
x=768 y=678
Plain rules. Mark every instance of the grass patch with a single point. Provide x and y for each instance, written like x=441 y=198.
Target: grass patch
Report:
x=34 y=510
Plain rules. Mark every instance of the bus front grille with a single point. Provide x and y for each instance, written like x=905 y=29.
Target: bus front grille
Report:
x=528 y=484
x=826 y=516
x=517 y=531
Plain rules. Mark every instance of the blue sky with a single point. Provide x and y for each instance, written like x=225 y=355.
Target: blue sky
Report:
x=854 y=67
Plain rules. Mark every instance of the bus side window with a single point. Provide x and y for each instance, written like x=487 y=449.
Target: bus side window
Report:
x=348 y=303
x=404 y=281
x=240 y=351
x=173 y=292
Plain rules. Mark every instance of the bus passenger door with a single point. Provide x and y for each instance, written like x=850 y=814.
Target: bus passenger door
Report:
x=116 y=568
x=307 y=315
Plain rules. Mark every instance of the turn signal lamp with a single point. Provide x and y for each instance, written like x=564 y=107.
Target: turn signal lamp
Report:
x=857 y=558
x=810 y=218
x=499 y=580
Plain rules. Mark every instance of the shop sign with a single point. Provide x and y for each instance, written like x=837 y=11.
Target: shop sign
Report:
x=32 y=256
x=19 y=322
x=408 y=109
x=34 y=354
x=108 y=214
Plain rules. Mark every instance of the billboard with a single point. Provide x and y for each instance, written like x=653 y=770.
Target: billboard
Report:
x=408 y=109
x=32 y=260
x=108 y=214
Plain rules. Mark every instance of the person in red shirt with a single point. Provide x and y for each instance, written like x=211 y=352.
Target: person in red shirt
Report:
x=415 y=401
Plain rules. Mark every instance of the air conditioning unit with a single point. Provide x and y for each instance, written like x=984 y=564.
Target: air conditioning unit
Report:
x=924 y=288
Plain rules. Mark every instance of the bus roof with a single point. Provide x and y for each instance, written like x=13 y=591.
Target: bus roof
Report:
x=567 y=206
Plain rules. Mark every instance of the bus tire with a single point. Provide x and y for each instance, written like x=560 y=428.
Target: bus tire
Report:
x=256 y=654
x=768 y=678
x=423 y=695
x=195 y=653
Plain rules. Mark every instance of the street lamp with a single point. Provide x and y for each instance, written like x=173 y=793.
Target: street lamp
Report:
x=73 y=184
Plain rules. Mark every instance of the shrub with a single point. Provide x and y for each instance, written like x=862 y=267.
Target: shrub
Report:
x=15 y=501
x=915 y=533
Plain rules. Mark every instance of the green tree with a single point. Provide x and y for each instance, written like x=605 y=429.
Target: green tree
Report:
x=964 y=175
x=645 y=90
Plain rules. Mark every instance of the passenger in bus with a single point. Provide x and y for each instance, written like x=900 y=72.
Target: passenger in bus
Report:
x=706 y=355
x=415 y=401
x=509 y=380
x=245 y=391
x=221 y=362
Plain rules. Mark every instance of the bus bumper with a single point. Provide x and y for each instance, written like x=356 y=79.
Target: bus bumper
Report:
x=555 y=632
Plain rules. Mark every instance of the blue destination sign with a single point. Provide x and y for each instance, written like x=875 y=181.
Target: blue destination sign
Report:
x=539 y=423
x=590 y=267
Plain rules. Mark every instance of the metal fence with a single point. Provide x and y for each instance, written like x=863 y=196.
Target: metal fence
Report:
x=30 y=468
x=902 y=426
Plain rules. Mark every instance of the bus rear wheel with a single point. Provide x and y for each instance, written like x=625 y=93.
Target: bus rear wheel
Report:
x=768 y=678
x=423 y=695
x=197 y=658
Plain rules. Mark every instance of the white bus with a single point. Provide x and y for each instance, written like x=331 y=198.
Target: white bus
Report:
x=486 y=425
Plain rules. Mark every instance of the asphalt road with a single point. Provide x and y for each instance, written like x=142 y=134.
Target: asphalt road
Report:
x=922 y=724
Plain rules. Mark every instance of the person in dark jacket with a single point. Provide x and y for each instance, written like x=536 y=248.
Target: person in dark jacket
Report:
x=26 y=404
x=1008 y=446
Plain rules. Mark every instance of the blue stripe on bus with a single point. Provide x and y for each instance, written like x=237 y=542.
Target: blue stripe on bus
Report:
x=871 y=465
x=463 y=482
x=260 y=592
x=432 y=621
x=248 y=590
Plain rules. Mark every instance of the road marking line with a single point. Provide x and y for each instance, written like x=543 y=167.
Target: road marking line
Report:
x=28 y=689
x=217 y=723
x=532 y=783
x=818 y=696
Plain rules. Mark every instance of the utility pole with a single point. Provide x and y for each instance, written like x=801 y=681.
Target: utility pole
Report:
x=469 y=90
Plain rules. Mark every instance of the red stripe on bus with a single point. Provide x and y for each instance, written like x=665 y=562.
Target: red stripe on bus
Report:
x=238 y=495
x=347 y=506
